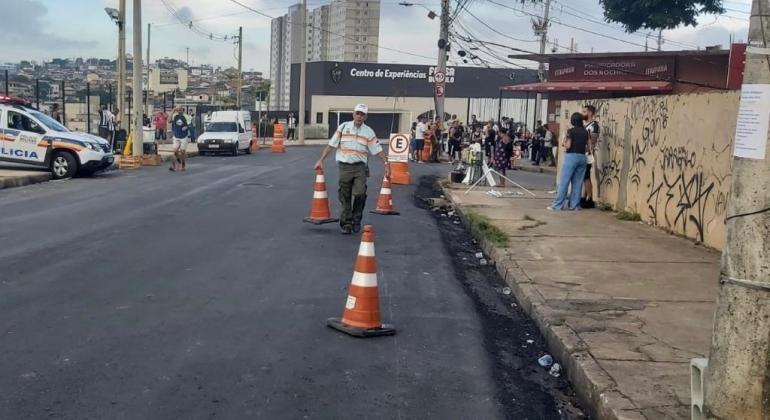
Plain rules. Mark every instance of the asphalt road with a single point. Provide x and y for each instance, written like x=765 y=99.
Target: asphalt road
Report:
x=153 y=294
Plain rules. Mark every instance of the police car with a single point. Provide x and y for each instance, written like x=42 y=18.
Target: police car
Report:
x=31 y=137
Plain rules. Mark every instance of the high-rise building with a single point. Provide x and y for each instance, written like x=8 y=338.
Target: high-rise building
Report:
x=345 y=30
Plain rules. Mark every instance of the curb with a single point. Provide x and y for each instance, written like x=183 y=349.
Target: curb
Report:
x=595 y=389
x=20 y=181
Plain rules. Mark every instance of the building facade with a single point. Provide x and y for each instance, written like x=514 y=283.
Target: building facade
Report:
x=398 y=93
x=345 y=30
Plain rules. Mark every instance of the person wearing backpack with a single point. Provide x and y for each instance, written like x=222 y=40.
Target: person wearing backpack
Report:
x=180 y=128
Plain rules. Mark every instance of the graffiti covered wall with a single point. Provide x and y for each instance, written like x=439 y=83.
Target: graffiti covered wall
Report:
x=667 y=158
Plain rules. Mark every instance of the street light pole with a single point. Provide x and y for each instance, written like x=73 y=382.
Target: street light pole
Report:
x=122 y=64
x=302 y=71
x=138 y=145
x=737 y=380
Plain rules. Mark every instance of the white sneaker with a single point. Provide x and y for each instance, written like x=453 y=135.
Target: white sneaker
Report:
x=550 y=208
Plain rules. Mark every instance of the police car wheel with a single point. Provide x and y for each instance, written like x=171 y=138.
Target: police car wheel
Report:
x=63 y=165
x=248 y=149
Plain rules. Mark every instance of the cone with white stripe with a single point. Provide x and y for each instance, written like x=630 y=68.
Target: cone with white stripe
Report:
x=361 y=317
x=385 y=203
x=319 y=212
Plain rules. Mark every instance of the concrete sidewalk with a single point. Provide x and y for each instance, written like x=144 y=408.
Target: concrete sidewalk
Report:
x=623 y=306
x=12 y=177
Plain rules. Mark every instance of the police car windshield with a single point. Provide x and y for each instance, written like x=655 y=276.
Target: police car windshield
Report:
x=222 y=127
x=48 y=121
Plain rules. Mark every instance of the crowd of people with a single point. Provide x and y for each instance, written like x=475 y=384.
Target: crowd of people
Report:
x=503 y=144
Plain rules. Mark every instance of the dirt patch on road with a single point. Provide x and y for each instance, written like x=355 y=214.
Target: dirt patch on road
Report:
x=524 y=389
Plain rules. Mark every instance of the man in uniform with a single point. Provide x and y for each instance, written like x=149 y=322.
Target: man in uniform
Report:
x=354 y=141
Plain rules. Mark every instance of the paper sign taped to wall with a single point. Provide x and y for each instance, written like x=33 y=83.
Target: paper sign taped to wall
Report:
x=753 y=120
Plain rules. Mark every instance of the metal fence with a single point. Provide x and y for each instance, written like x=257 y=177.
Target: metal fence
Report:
x=79 y=101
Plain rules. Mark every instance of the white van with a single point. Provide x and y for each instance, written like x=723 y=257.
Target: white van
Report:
x=226 y=132
x=30 y=137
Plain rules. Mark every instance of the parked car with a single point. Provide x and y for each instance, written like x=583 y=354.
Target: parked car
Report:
x=226 y=132
x=31 y=137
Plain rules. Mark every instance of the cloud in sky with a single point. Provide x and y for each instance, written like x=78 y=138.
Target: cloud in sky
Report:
x=25 y=33
x=43 y=29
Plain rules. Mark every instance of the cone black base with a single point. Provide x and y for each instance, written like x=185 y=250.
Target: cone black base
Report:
x=337 y=324
x=320 y=221
x=386 y=213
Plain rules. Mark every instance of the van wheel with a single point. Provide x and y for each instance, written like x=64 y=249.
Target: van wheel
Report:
x=63 y=165
x=248 y=149
x=235 y=149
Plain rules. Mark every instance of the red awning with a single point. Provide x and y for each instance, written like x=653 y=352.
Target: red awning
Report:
x=615 y=86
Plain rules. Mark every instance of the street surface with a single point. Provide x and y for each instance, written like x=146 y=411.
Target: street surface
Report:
x=153 y=294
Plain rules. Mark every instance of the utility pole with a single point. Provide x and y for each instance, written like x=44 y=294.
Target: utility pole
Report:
x=542 y=30
x=138 y=144
x=122 y=64
x=660 y=40
x=302 y=75
x=737 y=378
x=146 y=102
x=187 y=59
x=240 y=68
x=443 y=45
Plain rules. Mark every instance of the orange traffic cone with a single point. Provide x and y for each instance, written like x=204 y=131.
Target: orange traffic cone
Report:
x=361 y=317
x=400 y=173
x=278 y=146
x=319 y=212
x=385 y=203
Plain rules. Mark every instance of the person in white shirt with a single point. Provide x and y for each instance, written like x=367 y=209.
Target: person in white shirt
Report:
x=419 y=139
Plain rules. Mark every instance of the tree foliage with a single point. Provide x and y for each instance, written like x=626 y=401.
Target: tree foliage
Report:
x=655 y=14
x=658 y=14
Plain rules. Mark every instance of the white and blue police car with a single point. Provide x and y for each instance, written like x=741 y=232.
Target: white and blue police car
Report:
x=31 y=137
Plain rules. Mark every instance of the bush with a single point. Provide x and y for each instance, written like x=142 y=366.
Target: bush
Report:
x=629 y=216
x=486 y=229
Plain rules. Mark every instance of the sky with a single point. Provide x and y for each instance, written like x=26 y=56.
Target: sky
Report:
x=46 y=29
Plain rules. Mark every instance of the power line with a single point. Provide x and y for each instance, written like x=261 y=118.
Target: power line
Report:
x=200 y=31
x=604 y=24
x=334 y=33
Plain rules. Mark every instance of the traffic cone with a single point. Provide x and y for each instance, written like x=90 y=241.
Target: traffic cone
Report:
x=400 y=173
x=319 y=212
x=385 y=203
x=278 y=146
x=361 y=317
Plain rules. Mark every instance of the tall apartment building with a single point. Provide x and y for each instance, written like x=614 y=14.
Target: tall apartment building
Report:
x=345 y=30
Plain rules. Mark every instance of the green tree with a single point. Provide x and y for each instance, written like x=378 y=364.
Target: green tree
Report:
x=658 y=14
x=655 y=14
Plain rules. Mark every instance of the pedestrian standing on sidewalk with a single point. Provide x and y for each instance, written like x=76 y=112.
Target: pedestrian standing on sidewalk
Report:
x=354 y=141
x=490 y=136
x=291 y=125
x=180 y=127
x=161 y=125
x=503 y=154
x=574 y=167
x=592 y=126
x=553 y=143
x=419 y=139
x=56 y=113
x=106 y=123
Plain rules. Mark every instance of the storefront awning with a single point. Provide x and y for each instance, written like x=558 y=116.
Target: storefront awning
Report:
x=616 y=86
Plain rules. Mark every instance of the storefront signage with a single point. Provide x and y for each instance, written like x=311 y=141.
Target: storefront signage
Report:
x=611 y=69
x=399 y=74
